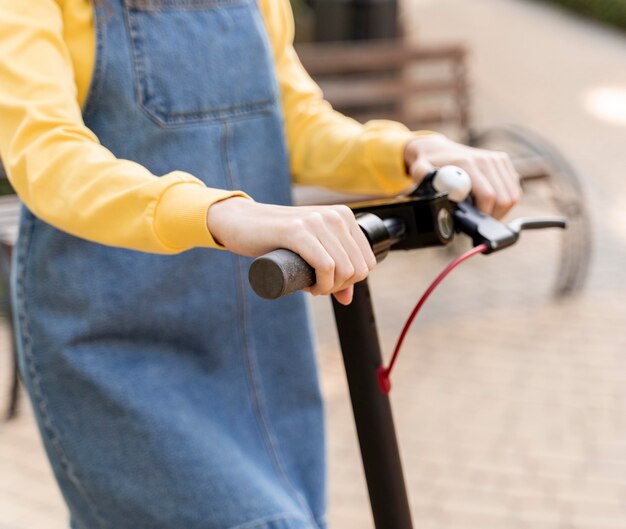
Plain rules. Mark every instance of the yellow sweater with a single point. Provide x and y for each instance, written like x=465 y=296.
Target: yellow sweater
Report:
x=65 y=177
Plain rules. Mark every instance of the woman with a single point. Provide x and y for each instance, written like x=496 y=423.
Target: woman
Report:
x=139 y=133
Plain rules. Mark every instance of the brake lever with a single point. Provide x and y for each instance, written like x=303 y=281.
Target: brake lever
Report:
x=496 y=235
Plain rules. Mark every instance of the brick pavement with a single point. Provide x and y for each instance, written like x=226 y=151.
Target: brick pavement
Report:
x=511 y=407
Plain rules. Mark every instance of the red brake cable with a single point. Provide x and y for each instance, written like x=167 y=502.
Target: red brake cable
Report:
x=383 y=372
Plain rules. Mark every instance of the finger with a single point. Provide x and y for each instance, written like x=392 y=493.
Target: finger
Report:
x=343 y=250
x=354 y=242
x=364 y=246
x=359 y=264
x=515 y=180
x=345 y=296
x=313 y=252
x=509 y=180
x=482 y=190
x=357 y=234
x=503 y=201
x=343 y=268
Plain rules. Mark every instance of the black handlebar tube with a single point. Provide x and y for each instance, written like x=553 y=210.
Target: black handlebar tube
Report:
x=372 y=411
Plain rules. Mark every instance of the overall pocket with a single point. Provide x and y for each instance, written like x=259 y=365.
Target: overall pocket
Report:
x=199 y=60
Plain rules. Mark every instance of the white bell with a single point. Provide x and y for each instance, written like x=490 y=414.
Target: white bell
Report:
x=454 y=181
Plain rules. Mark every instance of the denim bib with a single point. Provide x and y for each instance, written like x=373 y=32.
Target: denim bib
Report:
x=168 y=395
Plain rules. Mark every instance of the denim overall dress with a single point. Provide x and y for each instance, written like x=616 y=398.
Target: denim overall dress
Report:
x=168 y=395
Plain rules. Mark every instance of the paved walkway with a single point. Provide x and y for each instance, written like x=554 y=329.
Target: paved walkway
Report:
x=511 y=407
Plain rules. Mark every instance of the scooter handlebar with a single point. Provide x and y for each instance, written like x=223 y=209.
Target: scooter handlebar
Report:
x=280 y=272
x=283 y=272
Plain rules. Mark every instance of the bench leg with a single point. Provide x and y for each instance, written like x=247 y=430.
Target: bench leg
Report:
x=5 y=283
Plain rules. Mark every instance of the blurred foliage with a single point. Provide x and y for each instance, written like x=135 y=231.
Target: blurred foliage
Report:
x=304 y=17
x=5 y=186
x=610 y=11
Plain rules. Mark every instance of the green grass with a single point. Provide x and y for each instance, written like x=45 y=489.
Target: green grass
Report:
x=612 y=12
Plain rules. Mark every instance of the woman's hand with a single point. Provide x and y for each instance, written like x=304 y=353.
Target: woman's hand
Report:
x=495 y=182
x=326 y=237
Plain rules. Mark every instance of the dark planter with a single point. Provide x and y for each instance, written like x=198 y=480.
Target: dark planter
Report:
x=355 y=19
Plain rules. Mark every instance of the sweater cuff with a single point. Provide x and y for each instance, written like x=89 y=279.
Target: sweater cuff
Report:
x=387 y=157
x=180 y=220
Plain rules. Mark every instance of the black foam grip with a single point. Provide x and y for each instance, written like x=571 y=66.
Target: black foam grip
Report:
x=279 y=273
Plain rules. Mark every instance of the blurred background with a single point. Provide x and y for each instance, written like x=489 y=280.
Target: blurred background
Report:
x=510 y=394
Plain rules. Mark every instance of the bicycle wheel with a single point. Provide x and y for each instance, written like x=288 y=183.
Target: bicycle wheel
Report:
x=541 y=164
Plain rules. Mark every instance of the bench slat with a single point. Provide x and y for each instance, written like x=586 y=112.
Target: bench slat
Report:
x=358 y=92
x=347 y=57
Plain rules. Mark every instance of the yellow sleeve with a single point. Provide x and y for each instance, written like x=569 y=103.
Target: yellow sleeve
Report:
x=58 y=167
x=326 y=148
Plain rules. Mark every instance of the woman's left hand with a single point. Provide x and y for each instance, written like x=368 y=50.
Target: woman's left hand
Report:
x=495 y=182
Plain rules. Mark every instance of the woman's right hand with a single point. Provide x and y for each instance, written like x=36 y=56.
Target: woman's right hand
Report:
x=326 y=237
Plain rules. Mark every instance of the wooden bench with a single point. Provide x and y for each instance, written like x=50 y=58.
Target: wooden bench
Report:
x=420 y=86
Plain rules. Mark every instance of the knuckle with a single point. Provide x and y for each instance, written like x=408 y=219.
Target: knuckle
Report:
x=488 y=196
x=506 y=203
x=361 y=273
x=344 y=211
x=370 y=260
x=323 y=284
x=314 y=217
x=334 y=218
x=296 y=224
x=294 y=230
x=344 y=273
x=318 y=290
x=465 y=160
x=326 y=267
x=488 y=200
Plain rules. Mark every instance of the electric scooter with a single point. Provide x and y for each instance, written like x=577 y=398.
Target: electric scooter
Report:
x=430 y=216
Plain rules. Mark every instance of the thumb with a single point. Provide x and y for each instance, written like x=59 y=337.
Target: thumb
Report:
x=419 y=169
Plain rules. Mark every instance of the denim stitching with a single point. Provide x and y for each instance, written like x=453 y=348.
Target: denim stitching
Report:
x=31 y=364
x=252 y=368
x=167 y=119
x=266 y=521
x=139 y=77
x=144 y=92
x=97 y=76
x=216 y=120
